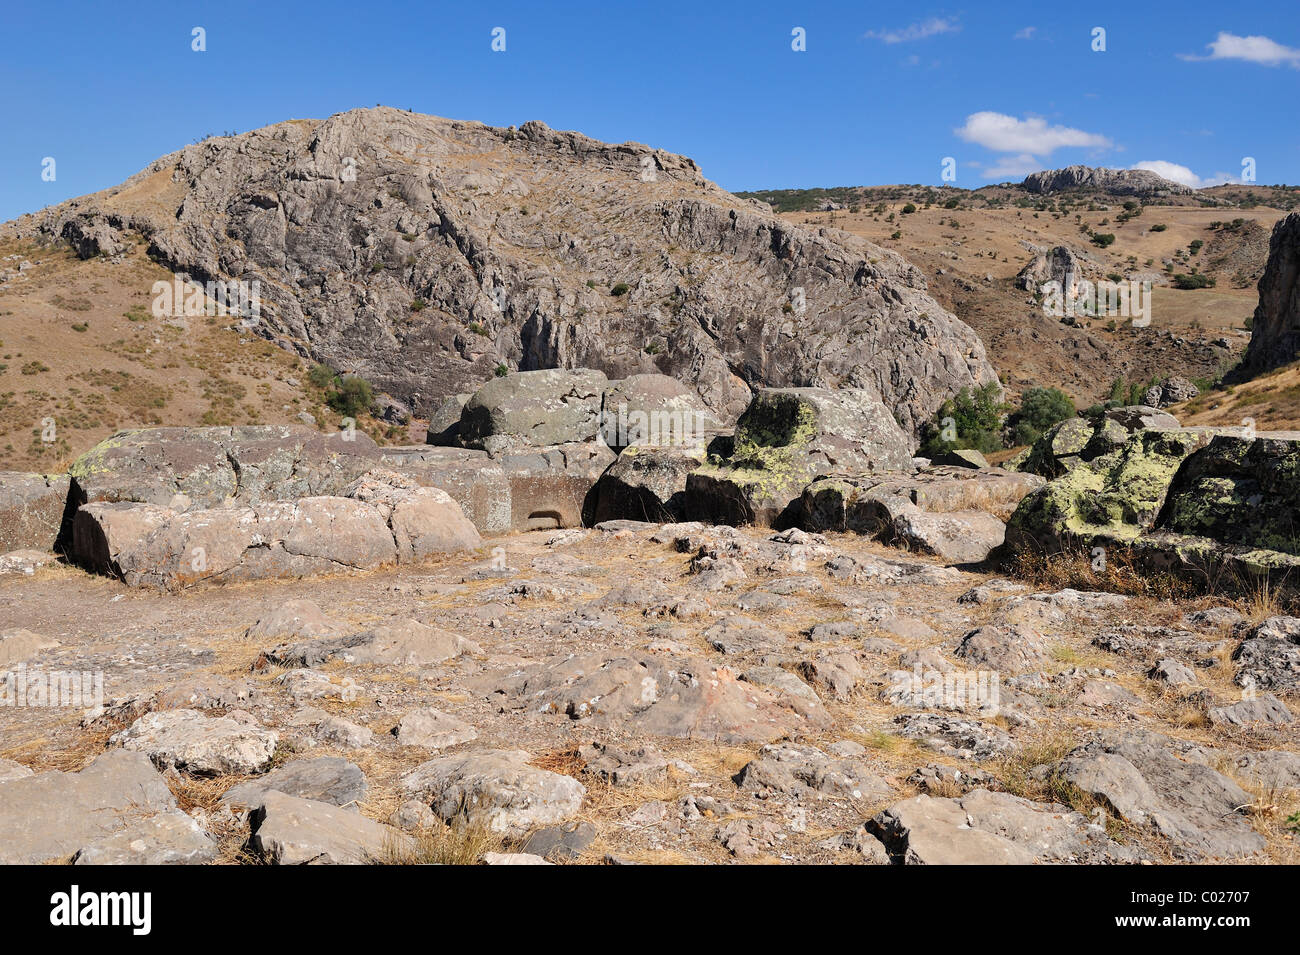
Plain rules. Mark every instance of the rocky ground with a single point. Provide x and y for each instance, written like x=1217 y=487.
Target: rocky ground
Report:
x=641 y=693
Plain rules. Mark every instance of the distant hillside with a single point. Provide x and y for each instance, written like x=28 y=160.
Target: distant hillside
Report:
x=1016 y=195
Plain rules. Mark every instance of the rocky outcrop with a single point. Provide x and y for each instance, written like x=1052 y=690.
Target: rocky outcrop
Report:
x=424 y=253
x=1171 y=391
x=383 y=520
x=208 y=467
x=787 y=437
x=1114 y=182
x=1058 y=264
x=1215 y=506
x=1076 y=440
x=1275 y=332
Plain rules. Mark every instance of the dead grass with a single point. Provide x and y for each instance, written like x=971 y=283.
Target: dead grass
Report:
x=461 y=843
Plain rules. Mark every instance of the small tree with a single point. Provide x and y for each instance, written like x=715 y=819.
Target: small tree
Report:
x=353 y=396
x=976 y=420
x=1040 y=408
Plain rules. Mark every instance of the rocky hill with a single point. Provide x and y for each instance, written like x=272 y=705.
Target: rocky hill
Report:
x=1115 y=182
x=427 y=255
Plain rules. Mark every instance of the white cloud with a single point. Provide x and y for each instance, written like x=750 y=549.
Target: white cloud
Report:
x=1012 y=167
x=1025 y=34
x=916 y=31
x=1031 y=136
x=1252 y=49
x=1182 y=175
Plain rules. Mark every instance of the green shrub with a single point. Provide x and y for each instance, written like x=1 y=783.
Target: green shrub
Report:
x=1194 y=281
x=1040 y=408
x=352 y=397
x=1103 y=239
x=619 y=289
x=501 y=371
x=977 y=420
x=322 y=376
x=909 y=209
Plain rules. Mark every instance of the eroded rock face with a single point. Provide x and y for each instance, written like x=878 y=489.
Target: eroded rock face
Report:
x=1274 y=339
x=655 y=694
x=1116 y=182
x=346 y=222
x=31 y=510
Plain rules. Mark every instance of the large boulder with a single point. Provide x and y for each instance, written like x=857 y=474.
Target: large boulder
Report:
x=1171 y=391
x=1110 y=498
x=208 y=467
x=647 y=484
x=385 y=520
x=1238 y=490
x=444 y=422
x=1078 y=440
x=654 y=410
x=534 y=409
x=31 y=510
x=528 y=489
x=785 y=438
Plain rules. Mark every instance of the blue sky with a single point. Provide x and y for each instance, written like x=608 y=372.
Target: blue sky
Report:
x=882 y=93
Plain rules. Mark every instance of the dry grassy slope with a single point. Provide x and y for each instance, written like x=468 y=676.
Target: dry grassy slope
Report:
x=1030 y=348
x=78 y=344
x=1272 y=401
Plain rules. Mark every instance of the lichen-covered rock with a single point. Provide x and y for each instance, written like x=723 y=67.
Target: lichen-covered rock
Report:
x=1238 y=490
x=1074 y=441
x=787 y=437
x=1113 y=497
